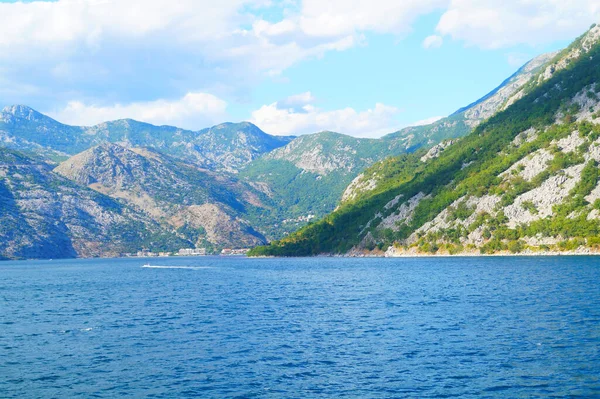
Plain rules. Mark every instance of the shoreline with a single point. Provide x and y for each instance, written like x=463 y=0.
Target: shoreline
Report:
x=348 y=255
x=394 y=253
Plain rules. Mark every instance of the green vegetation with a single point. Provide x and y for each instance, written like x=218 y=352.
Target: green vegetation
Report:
x=297 y=193
x=589 y=180
x=488 y=151
x=530 y=206
x=461 y=211
x=421 y=136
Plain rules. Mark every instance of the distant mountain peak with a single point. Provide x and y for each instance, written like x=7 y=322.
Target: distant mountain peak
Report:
x=24 y=112
x=17 y=109
x=524 y=181
x=230 y=124
x=234 y=128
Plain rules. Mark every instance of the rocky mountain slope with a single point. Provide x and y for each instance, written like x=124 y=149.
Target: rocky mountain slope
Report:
x=467 y=118
x=232 y=184
x=526 y=180
x=45 y=216
x=204 y=207
x=230 y=146
x=224 y=147
x=308 y=177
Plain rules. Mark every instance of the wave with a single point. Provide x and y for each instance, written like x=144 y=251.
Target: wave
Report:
x=176 y=267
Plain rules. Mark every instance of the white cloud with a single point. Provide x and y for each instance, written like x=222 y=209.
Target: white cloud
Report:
x=135 y=51
x=90 y=22
x=193 y=111
x=343 y=17
x=427 y=121
x=297 y=101
x=90 y=53
x=374 y=122
x=108 y=51
x=433 y=41
x=494 y=24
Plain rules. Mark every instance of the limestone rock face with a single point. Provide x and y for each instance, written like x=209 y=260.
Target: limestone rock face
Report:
x=200 y=205
x=526 y=180
x=43 y=215
x=436 y=150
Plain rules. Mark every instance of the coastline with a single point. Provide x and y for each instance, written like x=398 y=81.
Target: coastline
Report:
x=355 y=254
x=398 y=253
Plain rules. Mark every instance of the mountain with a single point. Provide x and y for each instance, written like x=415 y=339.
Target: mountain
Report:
x=525 y=180
x=232 y=184
x=467 y=118
x=230 y=146
x=308 y=177
x=26 y=130
x=45 y=216
x=205 y=208
x=224 y=147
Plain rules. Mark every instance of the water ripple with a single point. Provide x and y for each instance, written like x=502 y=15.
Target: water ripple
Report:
x=301 y=328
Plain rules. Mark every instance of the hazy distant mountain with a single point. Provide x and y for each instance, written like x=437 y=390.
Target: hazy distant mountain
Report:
x=206 y=208
x=43 y=215
x=224 y=147
x=229 y=146
x=232 y=184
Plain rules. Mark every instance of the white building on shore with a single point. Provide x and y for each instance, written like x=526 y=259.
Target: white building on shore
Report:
x=192 y=252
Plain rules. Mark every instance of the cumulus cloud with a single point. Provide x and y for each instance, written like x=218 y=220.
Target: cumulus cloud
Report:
x=278 y=119
x=109 y=51
x=342 y=17
x=90 y=22
x=125 y=51
x=492 y=24
x=433 y=41
x=193 y=111
x=427 y=121
x=135 y=51
x=297 y=102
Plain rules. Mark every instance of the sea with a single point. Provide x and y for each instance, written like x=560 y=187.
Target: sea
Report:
x=218 y=327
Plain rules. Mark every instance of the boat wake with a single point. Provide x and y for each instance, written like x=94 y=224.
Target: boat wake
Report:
x=176 y=267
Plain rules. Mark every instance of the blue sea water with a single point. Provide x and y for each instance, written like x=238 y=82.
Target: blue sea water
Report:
x=301 y=328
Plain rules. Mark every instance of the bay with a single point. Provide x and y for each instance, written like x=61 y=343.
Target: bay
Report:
x=216 y=327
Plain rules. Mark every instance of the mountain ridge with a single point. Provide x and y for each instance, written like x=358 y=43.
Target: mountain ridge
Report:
x=312 y=168
x=46 y=216
x=243 y=185
x=24 y=129
x=170 y=193
x=526 y=180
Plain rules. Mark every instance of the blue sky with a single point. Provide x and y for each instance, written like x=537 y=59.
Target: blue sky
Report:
x=291 y=67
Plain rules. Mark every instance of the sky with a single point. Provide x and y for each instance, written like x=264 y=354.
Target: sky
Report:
x=292 y=67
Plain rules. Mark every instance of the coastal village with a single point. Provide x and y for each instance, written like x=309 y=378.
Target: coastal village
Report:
x=187 y=252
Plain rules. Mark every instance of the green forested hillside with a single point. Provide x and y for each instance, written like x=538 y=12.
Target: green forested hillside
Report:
x=524 y=179
x=232 y=184
x=308 y=176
